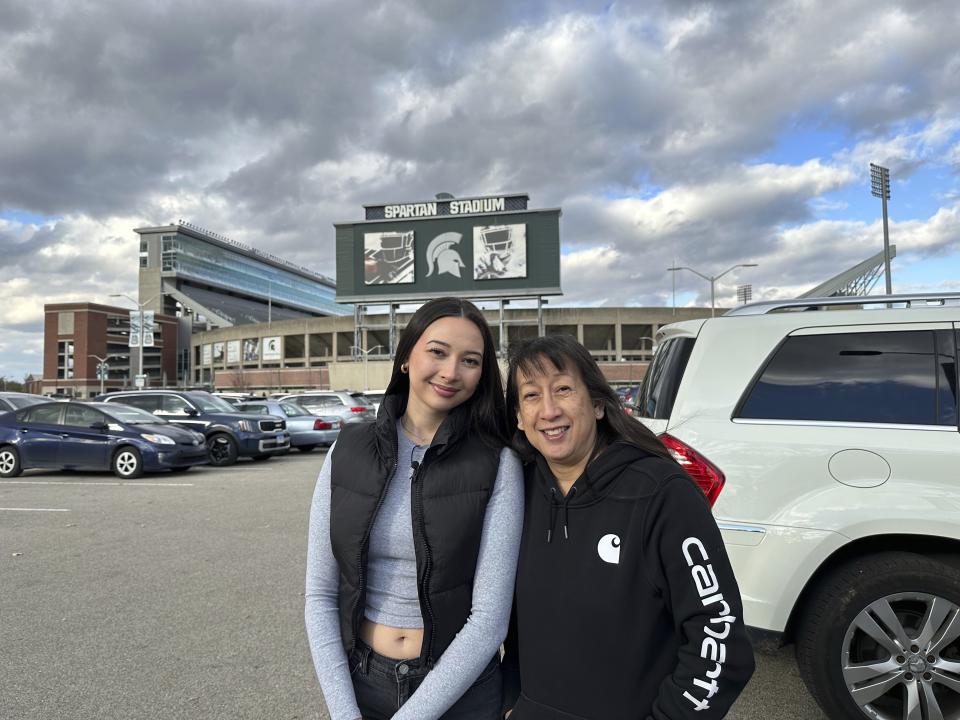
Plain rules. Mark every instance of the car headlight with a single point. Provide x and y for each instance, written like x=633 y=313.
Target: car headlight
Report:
x=158 y=439
x=246 y=425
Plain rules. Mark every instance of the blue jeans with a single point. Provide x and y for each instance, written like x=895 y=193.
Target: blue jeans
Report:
x=382 y=685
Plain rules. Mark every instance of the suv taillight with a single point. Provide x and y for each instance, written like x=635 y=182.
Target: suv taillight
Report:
x=704 y=473
x=322 y=425
x=359 y=408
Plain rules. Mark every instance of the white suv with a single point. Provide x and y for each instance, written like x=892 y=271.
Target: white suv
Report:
x=828 y=444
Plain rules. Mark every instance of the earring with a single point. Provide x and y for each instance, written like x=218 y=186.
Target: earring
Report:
x=404 y=367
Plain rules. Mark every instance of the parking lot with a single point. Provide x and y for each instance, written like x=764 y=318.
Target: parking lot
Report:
x=181 y=596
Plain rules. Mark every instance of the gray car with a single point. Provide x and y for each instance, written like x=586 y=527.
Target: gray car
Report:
x=306 y=429
x=350 y=407
x=16 y=400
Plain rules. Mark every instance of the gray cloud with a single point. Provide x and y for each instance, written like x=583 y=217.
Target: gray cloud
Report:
x=646 y=123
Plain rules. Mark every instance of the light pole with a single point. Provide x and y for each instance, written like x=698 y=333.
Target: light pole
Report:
x=102 y=368
x=140 y=306
x=365 y=353
x=712 y=279
x=880 y=187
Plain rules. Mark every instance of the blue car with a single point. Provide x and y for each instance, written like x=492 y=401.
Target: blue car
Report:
x=95 y=436
x=230 y=433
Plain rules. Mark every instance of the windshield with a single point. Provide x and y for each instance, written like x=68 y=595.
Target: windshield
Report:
x=132 y=415
x=25 y=401
x=292 y=409
x=360 y=399
x=211 y=403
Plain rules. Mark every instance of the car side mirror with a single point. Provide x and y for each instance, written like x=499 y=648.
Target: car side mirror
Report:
x=99 y=425
x=192 y=412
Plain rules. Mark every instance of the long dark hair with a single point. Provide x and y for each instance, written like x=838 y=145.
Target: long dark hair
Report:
x=565 y=353
x=486 y=406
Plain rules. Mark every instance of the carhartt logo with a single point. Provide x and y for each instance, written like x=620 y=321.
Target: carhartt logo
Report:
x=609 y=549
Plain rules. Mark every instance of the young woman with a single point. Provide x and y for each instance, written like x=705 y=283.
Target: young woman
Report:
x=626 y=606
x=414 y=534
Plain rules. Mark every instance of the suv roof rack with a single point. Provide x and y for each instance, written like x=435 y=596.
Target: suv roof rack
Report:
x=801 y=304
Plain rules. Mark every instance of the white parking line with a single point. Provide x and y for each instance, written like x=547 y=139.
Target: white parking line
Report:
x=78 y=482
x=36 y=509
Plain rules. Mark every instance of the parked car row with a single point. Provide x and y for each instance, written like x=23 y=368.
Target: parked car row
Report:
x=137 y=431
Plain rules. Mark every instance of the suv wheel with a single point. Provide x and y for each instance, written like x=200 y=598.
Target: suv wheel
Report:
x=127 y=463
x=9 y=461
x=881 y=639
x=222 y=450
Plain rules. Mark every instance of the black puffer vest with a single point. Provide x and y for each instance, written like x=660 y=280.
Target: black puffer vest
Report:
x=450 y=491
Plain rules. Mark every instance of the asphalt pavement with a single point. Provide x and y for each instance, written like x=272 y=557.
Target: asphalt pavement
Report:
x=181 y=596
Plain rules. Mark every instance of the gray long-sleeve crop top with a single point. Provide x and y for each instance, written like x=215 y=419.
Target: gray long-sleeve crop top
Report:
x=392 y=591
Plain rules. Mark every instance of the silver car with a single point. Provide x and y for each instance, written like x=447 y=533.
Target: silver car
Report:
x=306 y=429
x=350 y=407
x=16 y=400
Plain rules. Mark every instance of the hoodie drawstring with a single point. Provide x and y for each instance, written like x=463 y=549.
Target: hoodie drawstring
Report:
x=566 y=501
x=553 y=512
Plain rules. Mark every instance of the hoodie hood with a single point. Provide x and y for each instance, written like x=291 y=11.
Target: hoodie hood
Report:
x=598 y=478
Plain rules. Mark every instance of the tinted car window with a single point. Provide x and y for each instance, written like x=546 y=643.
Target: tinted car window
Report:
x=662 y=381
x=872 y=377
x=175 y=405
x=361 y=399
x=46 y=414
x=212 y=403
x=144 y=402
x=5 y=406
x=81 y=416
x=947 y=377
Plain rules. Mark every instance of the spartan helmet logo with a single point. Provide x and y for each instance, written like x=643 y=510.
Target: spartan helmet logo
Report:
x=442 y=255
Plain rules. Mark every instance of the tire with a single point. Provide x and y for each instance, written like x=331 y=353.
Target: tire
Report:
x=261 y=458
x=882 y=634
x=222 y=450
x=9 y=462
x=127 y=463
x=306 y=448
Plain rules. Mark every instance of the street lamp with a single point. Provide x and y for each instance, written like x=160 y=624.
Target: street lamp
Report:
x=880 y=187
x=366 y=385
x=102 y=368
x=712 y=279
x=140 y=306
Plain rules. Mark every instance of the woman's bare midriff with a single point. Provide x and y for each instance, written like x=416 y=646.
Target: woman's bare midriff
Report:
x=391 y=642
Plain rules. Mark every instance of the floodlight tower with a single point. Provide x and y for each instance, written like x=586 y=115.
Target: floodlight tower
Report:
x=880 y=187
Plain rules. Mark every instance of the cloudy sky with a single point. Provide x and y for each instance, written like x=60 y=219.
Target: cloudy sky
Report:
x=705 y=134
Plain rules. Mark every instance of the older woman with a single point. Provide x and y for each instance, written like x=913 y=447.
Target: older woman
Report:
x=626 y=606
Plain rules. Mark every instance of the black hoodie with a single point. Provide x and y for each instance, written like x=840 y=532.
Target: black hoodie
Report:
x=626 y=606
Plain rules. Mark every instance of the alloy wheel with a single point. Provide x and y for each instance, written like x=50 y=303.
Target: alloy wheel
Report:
x=8 y=461
x=901 y=658
x=127 y=463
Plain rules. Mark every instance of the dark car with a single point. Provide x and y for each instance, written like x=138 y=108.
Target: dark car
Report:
x=95 y=436
x=229 y=433
x=16 y=400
